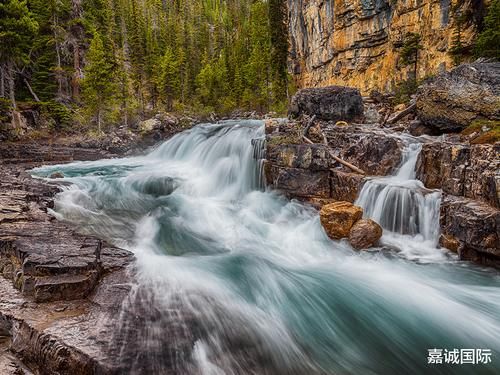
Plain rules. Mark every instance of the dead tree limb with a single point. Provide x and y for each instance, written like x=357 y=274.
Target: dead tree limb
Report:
x=33 y=94
x=403 y=113
x=325 y=142
x=309 y=124
x=307 y=140
x=347 y=164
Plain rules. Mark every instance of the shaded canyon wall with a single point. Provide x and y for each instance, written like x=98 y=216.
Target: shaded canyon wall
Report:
x=357 y=43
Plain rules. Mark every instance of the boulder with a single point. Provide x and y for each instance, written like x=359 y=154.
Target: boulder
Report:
x=149 y=125
x=56 y=175
x=333 y=103
x=297 y=182
x=376 y=154
x=449 y=242
x=304 y=156
x=364 y=234
x=472 y=171
x=471 y=228
x=338 y=218
x=452 y=100
x=417 y=128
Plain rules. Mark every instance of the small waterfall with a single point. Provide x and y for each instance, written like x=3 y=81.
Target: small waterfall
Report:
x=259 y=154
x=401 y=204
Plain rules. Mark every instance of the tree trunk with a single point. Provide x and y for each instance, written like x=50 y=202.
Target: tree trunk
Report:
x=77 y=35
x=415 y=66
x=33 y=94
x=59 y=74
x=99 y=121
x=75 y=82
x=2 y=81
x=12 y=88
x=125 y=117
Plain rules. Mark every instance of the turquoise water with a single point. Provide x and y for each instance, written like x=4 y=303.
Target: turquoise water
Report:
x=254 y=281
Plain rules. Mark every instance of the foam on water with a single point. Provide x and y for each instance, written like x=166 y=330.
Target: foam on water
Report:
x=406 y=210
x=236 y=279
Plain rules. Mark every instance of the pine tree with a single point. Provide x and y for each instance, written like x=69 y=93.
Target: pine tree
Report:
x=488 y=41
x=279 y=52
x=98 y=84
x=169 y=79
x=17 y=29
x=50 y=70
x=409 y=52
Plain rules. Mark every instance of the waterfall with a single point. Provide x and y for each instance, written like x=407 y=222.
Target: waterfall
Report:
x=259 y=154
x=401 y=204
x=236 y=279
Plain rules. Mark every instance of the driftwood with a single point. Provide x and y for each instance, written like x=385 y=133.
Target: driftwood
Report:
x=325 y=142
x=403 y=113
x=347 y=164
x=309 y=124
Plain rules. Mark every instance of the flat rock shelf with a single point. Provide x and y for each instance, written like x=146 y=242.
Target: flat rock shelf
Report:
x=59 y=290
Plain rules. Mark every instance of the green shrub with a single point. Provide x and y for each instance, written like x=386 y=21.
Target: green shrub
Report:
x=488 y=131
x=4 y=109
x=404 y=91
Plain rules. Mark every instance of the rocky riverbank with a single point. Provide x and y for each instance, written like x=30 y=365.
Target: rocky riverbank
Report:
x=468 y=174
x=61 y=290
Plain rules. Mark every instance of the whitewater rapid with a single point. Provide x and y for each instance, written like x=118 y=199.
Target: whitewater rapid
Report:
x=234 y=278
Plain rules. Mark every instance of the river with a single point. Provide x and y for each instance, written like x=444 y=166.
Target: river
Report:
x=237 y=279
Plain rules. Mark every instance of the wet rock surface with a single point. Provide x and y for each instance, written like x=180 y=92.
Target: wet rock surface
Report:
x=333 y=103
x=472 y=229
x=452 y=100
x=469 y=176
x=59 y=289
x=308 y=171
x=376 y=153
x=338 y=218
x=472 y=171
x=364 y=234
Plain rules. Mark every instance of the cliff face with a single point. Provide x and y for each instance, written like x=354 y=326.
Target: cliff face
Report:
x=358 y=42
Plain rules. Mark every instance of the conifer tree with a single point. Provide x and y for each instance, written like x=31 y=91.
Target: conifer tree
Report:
x=488 y=41
x=98 y=83
x=279 y=41
x=169 y=79
x=409 y=51
x=457 y=48
x=17 y=29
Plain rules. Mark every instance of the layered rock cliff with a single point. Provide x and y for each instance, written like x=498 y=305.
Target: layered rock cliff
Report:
x=358 y=43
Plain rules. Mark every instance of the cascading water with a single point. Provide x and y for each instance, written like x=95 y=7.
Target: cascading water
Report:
x=406 y=210
x=233 y=279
